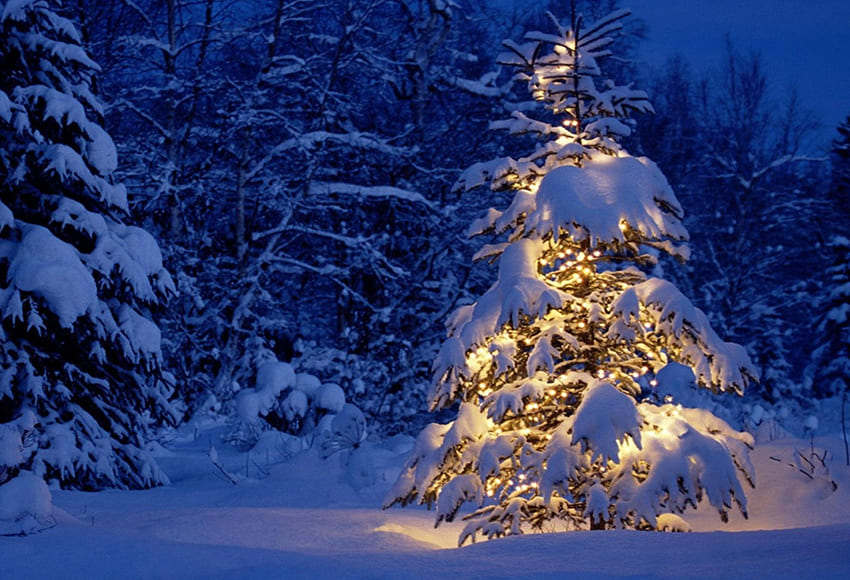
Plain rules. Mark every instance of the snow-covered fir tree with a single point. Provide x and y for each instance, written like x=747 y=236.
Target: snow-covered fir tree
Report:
x=552 y=369
x=829 y=371
x=81 y=384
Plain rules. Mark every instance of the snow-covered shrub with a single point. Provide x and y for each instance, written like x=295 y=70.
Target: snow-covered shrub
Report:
x=25 y=501
x=26 y=505
x=78 y=286
x=297 y=404
x=551 y=368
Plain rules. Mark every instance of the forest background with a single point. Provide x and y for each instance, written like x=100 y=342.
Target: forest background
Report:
x=297 y=159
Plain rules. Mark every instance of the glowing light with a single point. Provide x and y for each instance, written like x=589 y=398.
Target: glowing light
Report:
x=653 y=383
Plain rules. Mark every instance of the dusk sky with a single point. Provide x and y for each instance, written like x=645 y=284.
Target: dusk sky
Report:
x=803 y=44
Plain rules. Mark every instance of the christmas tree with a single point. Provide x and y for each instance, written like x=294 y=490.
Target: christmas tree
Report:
x=552 y=370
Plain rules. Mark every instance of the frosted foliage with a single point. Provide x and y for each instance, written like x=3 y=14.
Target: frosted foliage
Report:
x=595 y=201
x=686 y=449
x=100 y=150
x=518 y=290
x=604 y=419
x=307 y=383
x=295 y=405
x=51 y=269
x=11 y=447
x=273 y=378
x=72 y=214
x=330 y=397
x=144 y=334
x=715 y=363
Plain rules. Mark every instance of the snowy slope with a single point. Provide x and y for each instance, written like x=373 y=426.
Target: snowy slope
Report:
x=301 y=519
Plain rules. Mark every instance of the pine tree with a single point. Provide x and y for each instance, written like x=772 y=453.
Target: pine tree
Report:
x=552 y=368
x=841 y=175
x=829 y=371
x=82 y=384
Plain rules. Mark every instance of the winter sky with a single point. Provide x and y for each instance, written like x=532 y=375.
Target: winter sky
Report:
x=803 y=44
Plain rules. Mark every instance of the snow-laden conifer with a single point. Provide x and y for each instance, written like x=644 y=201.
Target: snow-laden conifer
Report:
x=829 y=370
x=553 y=367
x=79 y=354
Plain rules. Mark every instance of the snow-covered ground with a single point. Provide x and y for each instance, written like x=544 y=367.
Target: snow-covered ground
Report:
x=312 y=518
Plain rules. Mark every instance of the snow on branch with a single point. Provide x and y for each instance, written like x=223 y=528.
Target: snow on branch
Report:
x=380 y=191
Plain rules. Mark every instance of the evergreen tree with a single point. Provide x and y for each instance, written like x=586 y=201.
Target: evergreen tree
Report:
x=829 y=371
x=552 y=367
x=80 y=357
x=840 y=190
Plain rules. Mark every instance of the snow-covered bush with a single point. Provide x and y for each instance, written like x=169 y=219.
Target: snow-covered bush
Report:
x=78 y=349
x=552 y=367
x=297 y=404
x=26 y=505
x=25 y=500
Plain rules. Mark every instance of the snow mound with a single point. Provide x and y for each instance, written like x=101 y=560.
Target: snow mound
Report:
x=26 y=505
